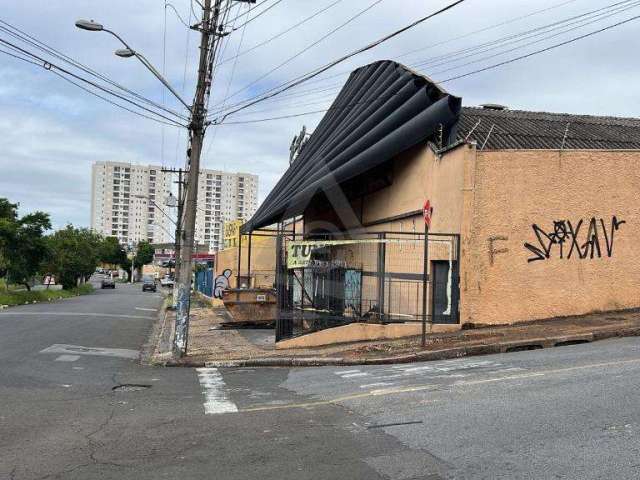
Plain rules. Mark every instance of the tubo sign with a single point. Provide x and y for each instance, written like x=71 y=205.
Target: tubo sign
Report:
x=427 y=212
x=298 y=255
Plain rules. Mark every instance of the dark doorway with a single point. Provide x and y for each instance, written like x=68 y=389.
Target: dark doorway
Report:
x=445 y=292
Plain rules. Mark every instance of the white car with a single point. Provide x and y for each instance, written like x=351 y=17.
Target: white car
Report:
x=166 y=282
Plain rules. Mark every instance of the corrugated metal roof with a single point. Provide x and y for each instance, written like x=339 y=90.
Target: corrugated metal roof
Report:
x=382 y=110
x=517 y=129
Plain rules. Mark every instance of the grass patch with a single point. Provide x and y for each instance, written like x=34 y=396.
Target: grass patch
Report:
x=24 y=297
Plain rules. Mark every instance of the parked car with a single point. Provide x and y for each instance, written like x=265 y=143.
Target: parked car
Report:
x=107 y=283
x=148 y=284
x=166 y=281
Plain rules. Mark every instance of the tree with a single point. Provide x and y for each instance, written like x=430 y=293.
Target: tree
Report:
x=111 y=252
x=22 y=245
x=74 y=255
x=144 y=254
x=8 y=216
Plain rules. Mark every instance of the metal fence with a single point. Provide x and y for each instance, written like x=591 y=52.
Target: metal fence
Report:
x=324 y=282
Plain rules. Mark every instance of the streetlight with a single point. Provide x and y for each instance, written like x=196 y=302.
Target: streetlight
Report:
x=128 y=52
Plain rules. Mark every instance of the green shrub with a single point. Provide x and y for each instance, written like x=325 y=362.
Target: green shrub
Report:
x=20 y=298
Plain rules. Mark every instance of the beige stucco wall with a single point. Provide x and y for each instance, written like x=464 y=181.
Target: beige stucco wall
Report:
x=506 y=192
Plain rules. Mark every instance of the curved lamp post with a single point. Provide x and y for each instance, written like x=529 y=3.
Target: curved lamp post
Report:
x=127 y=52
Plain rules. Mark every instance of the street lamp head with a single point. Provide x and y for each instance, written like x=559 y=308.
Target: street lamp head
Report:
x=125 y=52
x=89 y=25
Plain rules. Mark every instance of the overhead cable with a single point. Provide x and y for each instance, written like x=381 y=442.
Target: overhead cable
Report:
x=467 y=74
x=307 y=48
x=25 y=37
x=283 y=88
x=284 y=32
x=47 y=65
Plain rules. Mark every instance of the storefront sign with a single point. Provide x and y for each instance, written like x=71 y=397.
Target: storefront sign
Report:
x=299 y=252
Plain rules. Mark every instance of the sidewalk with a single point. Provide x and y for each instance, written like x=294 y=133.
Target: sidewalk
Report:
x=211 y=346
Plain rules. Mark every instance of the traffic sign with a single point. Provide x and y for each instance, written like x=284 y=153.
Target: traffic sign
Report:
x=427 y=212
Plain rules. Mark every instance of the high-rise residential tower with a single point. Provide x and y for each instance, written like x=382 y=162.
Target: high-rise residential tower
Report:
x=129 y=202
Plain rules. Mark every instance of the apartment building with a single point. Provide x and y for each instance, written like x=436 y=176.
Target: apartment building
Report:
x=128 y=201
x=223 y=197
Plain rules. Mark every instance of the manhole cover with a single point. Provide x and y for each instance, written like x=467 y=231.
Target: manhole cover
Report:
x=130 y=387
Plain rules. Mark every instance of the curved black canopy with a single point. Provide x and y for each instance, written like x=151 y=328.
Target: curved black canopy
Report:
x=383 y=109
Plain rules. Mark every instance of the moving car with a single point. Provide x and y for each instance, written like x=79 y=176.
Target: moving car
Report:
x=166 y=281
x=148 y=283
x=107 y=283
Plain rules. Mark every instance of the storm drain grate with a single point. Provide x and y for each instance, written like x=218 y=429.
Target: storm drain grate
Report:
x=130 y=387
x=523 y=348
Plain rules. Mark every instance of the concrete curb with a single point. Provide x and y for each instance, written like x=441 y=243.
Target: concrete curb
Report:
x=420 y=356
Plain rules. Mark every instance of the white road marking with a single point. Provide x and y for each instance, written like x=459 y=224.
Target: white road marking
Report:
x=352 y=375
x=378 y=384
x=497 y=379
x=73 y=314
x=100 y=352
x=346 y=371
x=214 y=391
x=67 y=358
x=146 y=309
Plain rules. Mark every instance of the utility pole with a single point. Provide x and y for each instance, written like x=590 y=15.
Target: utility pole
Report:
x=208 y=28
x=178 y=234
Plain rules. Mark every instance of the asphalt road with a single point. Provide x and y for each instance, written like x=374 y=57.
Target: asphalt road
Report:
x=569 y=412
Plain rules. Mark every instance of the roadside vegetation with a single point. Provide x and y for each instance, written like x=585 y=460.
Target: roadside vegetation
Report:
x=24 y=297
x=30 y=254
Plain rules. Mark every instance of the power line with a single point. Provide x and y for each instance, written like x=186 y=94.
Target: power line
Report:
x=438 y=82
x=490 y=27
x=167 y=4
x=19 y=57
x=584 y=18
x=233 y=71
x=47 y=65
x=544 y=39
x=19 y=34
x=450 y=57
x=306 y=49
x=284 y=32
x=184 y=75
x=257 y=15
x=164 y=74
x=452 y=39
x=542 y=50
x=112 y=102
x=283 y=88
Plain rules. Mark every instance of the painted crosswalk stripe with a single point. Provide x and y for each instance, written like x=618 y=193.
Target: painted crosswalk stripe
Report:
x=146 y=309
x=214 y=391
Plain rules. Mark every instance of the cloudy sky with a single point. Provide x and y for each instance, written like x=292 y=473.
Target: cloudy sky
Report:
x=51 y=131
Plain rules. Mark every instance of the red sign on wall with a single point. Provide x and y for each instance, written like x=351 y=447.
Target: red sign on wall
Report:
x=427 y=212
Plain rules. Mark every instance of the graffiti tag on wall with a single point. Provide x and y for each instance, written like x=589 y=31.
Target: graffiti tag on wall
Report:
x=221 y=283
x=588 y=239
